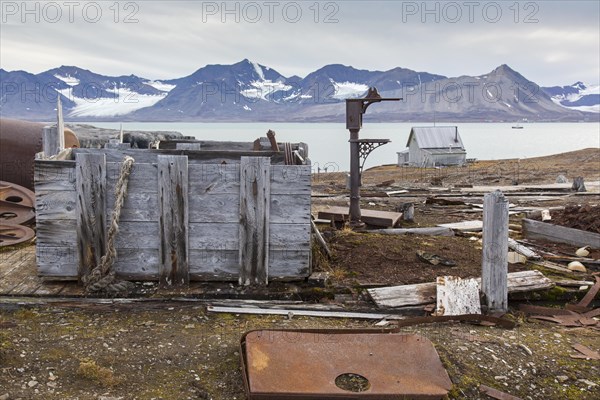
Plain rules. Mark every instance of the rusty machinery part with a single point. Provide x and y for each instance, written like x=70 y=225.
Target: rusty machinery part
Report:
x=329 y=364
x=17 y=204
x=19 y=142
x=14 y=234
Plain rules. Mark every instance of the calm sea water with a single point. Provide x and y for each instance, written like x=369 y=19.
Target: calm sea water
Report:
x=329 y=147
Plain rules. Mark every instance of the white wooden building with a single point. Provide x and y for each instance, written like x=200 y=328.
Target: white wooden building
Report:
x=431 y=146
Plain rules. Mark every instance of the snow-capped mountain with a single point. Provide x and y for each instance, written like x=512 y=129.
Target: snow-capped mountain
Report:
x=248 y=91
x=578 y=96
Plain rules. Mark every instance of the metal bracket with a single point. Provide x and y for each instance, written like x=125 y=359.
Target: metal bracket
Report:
x=365 y=147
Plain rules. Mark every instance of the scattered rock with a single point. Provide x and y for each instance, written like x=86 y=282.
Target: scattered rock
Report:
x=587 y=382
x=576 y=266
x=5 y=396
x=32 y=383
x=562 y=378
x=562 y=179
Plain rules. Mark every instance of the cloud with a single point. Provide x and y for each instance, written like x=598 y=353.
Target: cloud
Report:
x=549 y=42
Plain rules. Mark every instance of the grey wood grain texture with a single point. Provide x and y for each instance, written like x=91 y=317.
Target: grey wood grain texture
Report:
x=90 y=174
x=555 y=233
x=495 y=251
x=291 y=179
x=143 y=178
x=54 y=175
x=53 y=143
x=55 y=205
x=57 y=233
x=290 y=208
x=255 y=199
x=57 y=261
x=194 y=156
x=173 y=220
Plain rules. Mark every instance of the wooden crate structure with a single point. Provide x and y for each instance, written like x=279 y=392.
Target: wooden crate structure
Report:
x=188 y=215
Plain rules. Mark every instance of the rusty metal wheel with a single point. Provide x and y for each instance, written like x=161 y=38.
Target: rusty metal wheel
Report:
x=16 y=204
x=14 y=234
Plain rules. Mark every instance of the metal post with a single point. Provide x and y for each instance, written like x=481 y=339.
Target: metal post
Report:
x=355 y=108
x=355 y=214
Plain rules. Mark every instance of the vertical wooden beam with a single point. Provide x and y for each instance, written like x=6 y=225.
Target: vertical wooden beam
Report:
x=255 y=200
x=90 y=181
x=51 y=141
x=495 y=251
x=173 y=220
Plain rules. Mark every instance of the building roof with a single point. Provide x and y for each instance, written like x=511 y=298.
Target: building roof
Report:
x=436 y=137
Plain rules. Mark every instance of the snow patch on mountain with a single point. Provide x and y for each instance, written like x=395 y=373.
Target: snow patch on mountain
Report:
x=158 y=85
x=258 y=70
x=124 y=102
x=69 y=80
x=348 y=90
x=264 y=88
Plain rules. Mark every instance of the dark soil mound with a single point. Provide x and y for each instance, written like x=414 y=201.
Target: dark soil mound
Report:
x=585 y=217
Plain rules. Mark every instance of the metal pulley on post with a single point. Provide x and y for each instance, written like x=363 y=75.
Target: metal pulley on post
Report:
x=360 y=148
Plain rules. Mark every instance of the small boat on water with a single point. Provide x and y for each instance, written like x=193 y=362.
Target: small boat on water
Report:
x=517 y=126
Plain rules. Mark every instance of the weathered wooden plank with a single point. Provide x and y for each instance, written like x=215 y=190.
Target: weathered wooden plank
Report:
x=134 y=235
x=137 y=263
x=57 y=261
x=289 y=264
x=150 y=156
x=206 y=179
x=255 y=200
x=143 y=177
x=560 y=234
x=18 y=275
x=290 y=208
x=214 y=264
x=90 y=174
x=432 y=231
x=456 y=296
x=495 y=251
x=291 y=179
x=307 y=313
x=53 y=142
x=471 y=226
x=217 y=208
x=425 y=293
x=214 y=236
x=57 y=233
x=55 y=205
x=289 y=236
x=173 y=220
x=371 y=217
x=138 y=206
x=54 y=175
x=523 y=250
x=49 y=289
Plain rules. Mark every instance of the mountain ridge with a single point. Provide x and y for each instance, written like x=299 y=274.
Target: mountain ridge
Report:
x=249 y=91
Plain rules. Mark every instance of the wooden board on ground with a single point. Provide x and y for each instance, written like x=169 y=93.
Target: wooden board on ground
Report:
x=555 y=233
x=425 y=293
x=386 y=219
x=470 y=226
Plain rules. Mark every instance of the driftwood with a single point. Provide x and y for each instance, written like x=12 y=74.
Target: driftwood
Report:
x=560 y=234
x=425 y=293
x=433 y=231
x=495 y=251
x=320 y=239
x=522 y=249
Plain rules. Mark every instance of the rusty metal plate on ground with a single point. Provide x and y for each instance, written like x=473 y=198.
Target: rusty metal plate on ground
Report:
x=310 y=365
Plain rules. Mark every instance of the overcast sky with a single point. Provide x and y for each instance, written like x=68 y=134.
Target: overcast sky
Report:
x=549 y=42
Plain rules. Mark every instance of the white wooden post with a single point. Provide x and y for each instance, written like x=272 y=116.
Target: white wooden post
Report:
x=495 y=251
x=51 y=141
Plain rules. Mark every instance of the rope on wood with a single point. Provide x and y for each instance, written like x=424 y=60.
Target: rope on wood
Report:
x=102 y=278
